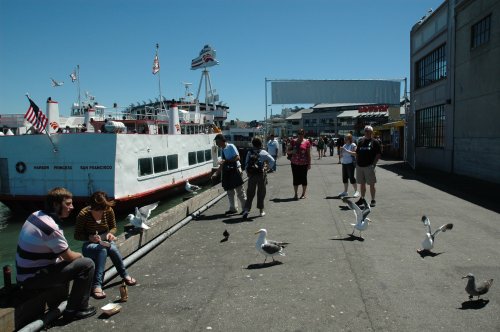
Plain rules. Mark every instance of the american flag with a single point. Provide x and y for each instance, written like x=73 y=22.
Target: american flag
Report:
x=156 y=65
x=35 y=116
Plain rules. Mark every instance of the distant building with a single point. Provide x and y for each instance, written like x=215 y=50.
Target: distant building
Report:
x=455 y=90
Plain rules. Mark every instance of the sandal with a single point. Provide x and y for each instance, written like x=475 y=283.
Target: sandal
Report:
x=130 y=281
x=98 y=294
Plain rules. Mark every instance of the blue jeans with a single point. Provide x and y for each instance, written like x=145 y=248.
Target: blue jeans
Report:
x=98 y=254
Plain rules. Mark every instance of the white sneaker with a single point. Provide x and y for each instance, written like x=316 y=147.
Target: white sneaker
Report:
x=356 y=194
x=342 y=194
x=262 y=213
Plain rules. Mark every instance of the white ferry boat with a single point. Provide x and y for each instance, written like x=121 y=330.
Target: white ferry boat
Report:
x=135 y=157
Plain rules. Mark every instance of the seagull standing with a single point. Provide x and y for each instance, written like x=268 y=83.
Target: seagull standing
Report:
x=474 y=289
x=268 y=248
x=192 y=188
x=428 y=242
x=141 y=216
x=361 y=215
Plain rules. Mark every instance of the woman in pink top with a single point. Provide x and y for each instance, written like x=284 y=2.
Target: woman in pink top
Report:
x=300 y=153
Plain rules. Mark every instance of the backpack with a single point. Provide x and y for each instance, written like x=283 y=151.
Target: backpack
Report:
x=254 y=165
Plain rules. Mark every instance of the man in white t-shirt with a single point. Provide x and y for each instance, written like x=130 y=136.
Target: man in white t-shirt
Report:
x=272 y=149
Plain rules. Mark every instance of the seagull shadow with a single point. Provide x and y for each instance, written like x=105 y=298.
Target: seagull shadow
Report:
x=344 y=208
x=475 y=305
x=332 y=197
x=351 y=238
x=224 y=239
x=263 y=265
x=425 y=253
x=282 y=200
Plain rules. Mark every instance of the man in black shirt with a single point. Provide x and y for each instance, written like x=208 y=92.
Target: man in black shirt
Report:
x=367 y=155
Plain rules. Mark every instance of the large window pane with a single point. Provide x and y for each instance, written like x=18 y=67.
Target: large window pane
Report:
x=173 y=162
x=430 y=127
x=145 y=166
x=160 y=164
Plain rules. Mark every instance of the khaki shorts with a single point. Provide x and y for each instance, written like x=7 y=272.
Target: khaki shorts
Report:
x=366 y=175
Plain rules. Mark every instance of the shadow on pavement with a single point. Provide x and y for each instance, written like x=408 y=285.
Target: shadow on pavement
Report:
x=424 y=253
x=350 y=237
x=476 y=191
x=211 y=217
x=263 y=265
x=281 y=200
x=475 y=305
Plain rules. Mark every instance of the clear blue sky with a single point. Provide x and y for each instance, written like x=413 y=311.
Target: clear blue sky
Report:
x=113 y=41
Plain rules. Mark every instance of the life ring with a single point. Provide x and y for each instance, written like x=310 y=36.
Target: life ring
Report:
x=21 y=167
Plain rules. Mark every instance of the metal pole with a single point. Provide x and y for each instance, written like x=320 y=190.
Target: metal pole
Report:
x=159 y=78
x=265 y=119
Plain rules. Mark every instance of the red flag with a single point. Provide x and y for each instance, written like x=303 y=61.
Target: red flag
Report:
x=156 y=65
x=35 y=116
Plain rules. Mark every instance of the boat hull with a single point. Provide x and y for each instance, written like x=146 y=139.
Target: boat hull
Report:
x=133 y=169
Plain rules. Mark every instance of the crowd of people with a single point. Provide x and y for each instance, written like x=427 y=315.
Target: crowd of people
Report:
x=44 y=259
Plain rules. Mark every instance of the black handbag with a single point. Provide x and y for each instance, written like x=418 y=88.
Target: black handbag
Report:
x=232 y=176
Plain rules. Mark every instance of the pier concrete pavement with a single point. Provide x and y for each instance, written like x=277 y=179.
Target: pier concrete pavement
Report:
x=327 y=281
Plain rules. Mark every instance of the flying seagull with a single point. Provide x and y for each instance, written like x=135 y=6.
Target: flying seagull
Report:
x=474 y=289
x=141 y=216
x=191 y=188
x=428 y=242
x=361 y=215
x=55 y=83
x=269 y=247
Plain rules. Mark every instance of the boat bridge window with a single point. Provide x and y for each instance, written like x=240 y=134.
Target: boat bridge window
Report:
x=200 y=155
x=160 y=164
x=208 y=155
x=192 y=158
x=145 y=166
x=173 y=161
x=196 y=157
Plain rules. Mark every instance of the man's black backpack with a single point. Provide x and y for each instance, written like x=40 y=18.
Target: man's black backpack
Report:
x=254 y=165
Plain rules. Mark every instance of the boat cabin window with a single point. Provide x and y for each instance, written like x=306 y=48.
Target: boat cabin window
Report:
x=160 y=164
x=208 y=155
x=145 y=166
x=173 y=161
x=192 y=158
x=200 y=156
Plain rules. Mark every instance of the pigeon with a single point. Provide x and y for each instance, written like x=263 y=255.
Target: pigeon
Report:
x=474 y=289
x=55 y=83
x=141 y=216
x=269 y=247
x=428 y=242
x=361 y=219
x=192 y=188
x=226 y=236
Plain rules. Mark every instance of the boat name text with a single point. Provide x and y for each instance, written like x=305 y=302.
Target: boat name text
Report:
x=68 y=167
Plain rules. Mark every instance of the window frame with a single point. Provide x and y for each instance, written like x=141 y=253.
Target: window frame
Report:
x=480 y=32
x=429 y=127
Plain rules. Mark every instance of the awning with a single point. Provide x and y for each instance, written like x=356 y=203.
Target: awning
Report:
x=387 y=126
x=348 y=114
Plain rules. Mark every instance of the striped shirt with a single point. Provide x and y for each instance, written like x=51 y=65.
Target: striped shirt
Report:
x=40 y=244
x=86 y=224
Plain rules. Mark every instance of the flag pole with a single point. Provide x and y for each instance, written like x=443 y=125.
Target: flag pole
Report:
x=159 y=77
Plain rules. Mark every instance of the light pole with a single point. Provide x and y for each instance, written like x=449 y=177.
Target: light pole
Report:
x=265 y=119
